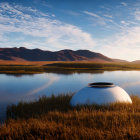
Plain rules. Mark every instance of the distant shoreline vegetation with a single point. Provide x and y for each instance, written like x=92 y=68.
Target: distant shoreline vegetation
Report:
x=53 y=118
x=68 y=67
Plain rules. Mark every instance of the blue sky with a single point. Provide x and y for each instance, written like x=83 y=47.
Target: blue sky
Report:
x=111 y=27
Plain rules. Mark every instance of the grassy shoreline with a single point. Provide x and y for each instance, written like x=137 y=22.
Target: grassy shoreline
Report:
x=69 y=67
x=53 y=118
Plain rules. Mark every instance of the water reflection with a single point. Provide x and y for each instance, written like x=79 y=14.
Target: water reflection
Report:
x=15 y=88
x=44 y=86
x=125 y=85
x=18 y=74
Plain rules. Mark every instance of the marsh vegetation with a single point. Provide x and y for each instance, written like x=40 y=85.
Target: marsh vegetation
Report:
x=69 y=67
x=53 y=118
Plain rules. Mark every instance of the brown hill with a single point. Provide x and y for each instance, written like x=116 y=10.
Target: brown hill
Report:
x=136 y=62
x=23 y=53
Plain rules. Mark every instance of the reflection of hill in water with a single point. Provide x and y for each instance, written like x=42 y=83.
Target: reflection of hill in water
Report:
x=64 y=72
x=69 y=72
x=18 y=74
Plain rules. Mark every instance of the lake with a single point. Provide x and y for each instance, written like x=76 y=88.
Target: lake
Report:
x=15 y=88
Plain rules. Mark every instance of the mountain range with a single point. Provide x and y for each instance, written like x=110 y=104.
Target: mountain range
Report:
x=23 y=53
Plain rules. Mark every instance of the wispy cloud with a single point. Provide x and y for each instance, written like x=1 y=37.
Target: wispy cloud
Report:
x=108 y=16
x=98 y=19
x=123 y=45
x=105 y=8
x=121 y=31
x=124 y=4
x=137 y=14
x=54 y=33
x=91 y=14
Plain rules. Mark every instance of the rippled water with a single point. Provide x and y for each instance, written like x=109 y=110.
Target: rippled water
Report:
x=14 y=88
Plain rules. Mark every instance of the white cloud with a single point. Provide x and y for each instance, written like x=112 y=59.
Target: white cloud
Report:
x=124 y=4
x=54 y=32
x=125 y=42
x=91 y=14
x=99 y=20
x=129 y=38
x=137 y=15
x=108 y=16
x=53 y=15
x=124 y=45
x=125 y=23
x=105 y=7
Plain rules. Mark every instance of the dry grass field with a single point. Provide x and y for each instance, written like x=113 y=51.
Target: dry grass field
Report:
x=23 y=62
x=53 y=118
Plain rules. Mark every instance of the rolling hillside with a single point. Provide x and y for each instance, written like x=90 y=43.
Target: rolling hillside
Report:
x=23 y=53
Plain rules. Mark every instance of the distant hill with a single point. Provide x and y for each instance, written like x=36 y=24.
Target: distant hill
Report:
x=23 y=53
x=120 y=61
x=136 y=62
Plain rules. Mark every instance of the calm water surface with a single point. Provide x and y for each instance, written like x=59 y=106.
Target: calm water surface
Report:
x=30 y=87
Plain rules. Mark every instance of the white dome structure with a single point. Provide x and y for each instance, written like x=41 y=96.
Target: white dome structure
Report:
x=100 y=94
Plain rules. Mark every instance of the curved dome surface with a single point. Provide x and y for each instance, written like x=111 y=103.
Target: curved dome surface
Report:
x=100 y=93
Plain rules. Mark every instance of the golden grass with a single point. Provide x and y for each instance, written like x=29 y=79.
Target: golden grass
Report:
x=41 y=63
x=35 y=63
x=53 y=118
